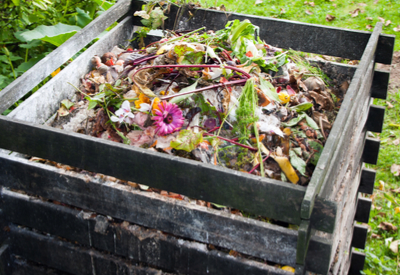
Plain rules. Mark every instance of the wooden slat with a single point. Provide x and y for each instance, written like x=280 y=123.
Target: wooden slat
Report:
x=148 y=246
x=371 y=150
x=59 y=255
x=154 y=211
x=47 y=99
x=339 y=136
x=375 y=119
x=5 y=260
x=285 y=34
x=359 y=236
x=23 y=267
x=357 y=262
x=380 y=84
x=363 y=210
x=303 y=241
x=59 y=56
x=367 y=181
x=194 y=179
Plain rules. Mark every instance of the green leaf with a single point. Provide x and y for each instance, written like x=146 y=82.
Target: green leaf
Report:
x=67 y=104
x=297 y=162
x=55 y=35
x=317 y=147
x=183 y=97
x=16 y=2
x=27 y=65
x=104 y=4
x=39 y=4
x=269 y=89
x=187 y=140
x=92 y=104
x=31 y=44
x=302 y=107
x=296 y=120
x=82 y=18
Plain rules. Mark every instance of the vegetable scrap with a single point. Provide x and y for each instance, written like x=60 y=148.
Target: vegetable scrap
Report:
x=223 y=98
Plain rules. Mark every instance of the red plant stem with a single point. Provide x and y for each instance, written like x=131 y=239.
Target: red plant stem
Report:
x=212 y=130
x=234 y=142
x=205 y=88
x=255 y=167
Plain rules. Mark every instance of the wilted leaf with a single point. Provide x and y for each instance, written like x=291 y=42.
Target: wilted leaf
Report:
x=388 y=23
x=394 y=246
x=355 y=12
x=63 y=111
x=369 y=18
x=381 y=185
x=395 y=169
x=258 y=2
x=184 y=90
x=387 y=226
x=396 y=142
x=375 y=236
x=389 y=105
x=369 y=27
x=302 y=107
x=187 y=140
x=329 y=17
x=297 y=162
x=309 y=12
x=397 y=29
x=381 y=19
x=397 y=210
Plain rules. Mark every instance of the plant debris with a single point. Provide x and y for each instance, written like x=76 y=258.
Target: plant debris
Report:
x=223 y=98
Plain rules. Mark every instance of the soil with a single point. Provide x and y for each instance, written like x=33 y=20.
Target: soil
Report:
x=394 y=82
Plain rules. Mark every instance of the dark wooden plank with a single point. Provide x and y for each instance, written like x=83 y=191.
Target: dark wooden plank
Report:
x=285 y=34
x=363 y=210
x=376 y=115
x=359 y=236
x=367 y=181
x=357 y=262
x=47 y=99
x=339 y=136
x=380 y=84
x=371 y=150
x=153 y=211
x=125 y=240
x=23 y=267
x=303 y=241
x=59 y=56
x=5 y=260
x=59 y=255
x=179 y=175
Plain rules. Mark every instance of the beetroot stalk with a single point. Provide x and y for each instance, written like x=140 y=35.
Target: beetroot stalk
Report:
x=255 y=167
x=233 y=142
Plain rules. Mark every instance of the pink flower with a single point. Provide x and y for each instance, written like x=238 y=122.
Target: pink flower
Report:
x=168 y=118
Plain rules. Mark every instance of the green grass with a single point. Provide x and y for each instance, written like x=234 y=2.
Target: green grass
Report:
x=296 y=10
x=379 y=257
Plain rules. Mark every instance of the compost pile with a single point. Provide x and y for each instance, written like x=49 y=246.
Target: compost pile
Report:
x=223 y=98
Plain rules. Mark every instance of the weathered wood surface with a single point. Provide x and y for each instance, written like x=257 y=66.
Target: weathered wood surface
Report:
x=23 y=267
x=247 y=236
x=59 y=56
x=46 y=101
x=69 y=258
x=261 y=196
x=5 y=260
x=328 y=165
x=367 y=181
x=286 y=34
x=123 y=239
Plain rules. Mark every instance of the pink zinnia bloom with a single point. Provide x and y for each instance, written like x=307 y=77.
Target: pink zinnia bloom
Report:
x=168 y=118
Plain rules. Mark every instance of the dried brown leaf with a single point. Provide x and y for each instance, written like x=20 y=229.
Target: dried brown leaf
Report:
x=309 y=12
x=369 y=18
x=369 y=27
x=258 y=2
x=334 y=5
x=395 y=169
x=355 y=12
x=394 y=246
x=329 y=17
x=397 y=190
x=388 y=22
x=389 y=105
x=396 y=141
x=381 y=19
x=362 y=4
x=376 y=236
x=311 y=4
x=387 y=226
x=397 y=29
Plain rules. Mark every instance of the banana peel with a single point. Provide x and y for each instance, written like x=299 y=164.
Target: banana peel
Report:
x=287 y=168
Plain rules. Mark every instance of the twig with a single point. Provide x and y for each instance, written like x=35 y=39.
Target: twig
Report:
x=322 y=128
x=234 y=142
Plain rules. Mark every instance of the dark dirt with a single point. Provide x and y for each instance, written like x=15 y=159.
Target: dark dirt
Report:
x=394 y=82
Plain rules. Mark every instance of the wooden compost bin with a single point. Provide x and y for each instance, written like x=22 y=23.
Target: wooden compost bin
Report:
x=63 y=222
